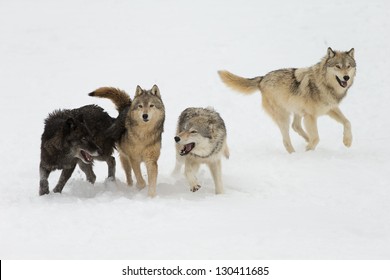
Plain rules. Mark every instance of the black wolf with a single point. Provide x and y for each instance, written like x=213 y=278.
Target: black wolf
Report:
x=78 y=136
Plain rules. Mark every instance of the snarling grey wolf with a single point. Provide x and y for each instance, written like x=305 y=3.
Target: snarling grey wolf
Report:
x=200 y=138
x=305 y=92
x=77 y=136
x=144 y=126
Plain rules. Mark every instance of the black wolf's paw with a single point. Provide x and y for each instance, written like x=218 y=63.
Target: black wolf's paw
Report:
x=195 y=188
x=44 y=191
x=57 y=190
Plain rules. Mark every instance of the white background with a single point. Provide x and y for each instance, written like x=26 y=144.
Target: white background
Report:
x=332 y=203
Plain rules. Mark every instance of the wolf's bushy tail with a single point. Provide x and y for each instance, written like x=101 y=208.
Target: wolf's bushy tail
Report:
x=119 y=97
x=240 y=84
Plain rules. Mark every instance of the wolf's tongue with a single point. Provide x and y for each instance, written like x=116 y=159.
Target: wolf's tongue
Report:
x=344 y=83
x=188 y=147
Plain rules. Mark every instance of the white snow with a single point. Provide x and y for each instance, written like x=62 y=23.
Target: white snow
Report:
x=333 y=203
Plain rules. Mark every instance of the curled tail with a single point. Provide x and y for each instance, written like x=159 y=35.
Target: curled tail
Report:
x=240 y=84
x=120 y=98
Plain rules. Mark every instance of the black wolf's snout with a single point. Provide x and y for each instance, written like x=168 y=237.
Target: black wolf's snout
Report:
x=346 y=78
x=177 y=139
x=145 y=117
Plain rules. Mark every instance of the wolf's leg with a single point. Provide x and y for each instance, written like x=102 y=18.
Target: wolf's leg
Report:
x=311 y=128
x=190 y=170
x=339 y=117
x=136 y=165
x=282 y=119
x=178 y=165
x=215 y=169
x=43 y=183
x=127 y=168
x=65 y=175
x=296 y=125
x=152 y=170
x=111 y=167
x=87 y=169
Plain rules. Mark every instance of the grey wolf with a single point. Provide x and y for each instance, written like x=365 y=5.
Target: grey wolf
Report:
x=77 y=136
x=144 y=123
x=200 y=138
x=305 y=92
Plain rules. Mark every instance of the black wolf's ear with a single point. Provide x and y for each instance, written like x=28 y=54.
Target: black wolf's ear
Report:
x=138 y=91
x=351 y=53
x=155 y=91
x=70 y=124
x=331 y=53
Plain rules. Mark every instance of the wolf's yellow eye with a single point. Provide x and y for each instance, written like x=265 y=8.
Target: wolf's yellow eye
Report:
x=151 y=106
x=338 y=66
x=140 y=106
x=194 y=131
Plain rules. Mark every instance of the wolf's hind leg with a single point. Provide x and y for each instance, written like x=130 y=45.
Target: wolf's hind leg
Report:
x=43 y=183
x=282 y=119
x=297 y=126
x=111 y=163
x=215 y=169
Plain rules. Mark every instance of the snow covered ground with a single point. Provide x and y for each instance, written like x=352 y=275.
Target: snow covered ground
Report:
x=332 y=203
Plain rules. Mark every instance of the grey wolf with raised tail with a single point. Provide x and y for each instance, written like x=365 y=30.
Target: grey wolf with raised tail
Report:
x=144 y=124
x=304 y=92
x=200 y=138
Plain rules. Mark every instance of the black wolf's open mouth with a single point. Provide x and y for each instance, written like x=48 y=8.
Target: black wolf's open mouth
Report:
x=86 y=156
x=342 y=83
x=187 y=148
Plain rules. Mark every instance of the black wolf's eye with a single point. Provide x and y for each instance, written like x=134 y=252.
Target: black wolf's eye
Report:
x=84 y=139
x=140 y=106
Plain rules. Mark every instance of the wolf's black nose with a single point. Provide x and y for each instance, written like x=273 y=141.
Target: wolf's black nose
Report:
x=346 y=78
x=177 y=139
x=145 y=116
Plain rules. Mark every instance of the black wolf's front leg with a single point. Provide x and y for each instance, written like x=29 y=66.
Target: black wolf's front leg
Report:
x=65 y=175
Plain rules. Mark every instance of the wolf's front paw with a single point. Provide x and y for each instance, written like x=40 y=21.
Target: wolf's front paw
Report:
x=57 y=190
x=195 y=188
x=141 y=184
x=347 y=140
x=43 y=191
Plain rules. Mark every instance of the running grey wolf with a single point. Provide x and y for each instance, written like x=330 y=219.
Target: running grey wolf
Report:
x=74 y=137
x=144 y=125
x=305 y=92
x=201 y=138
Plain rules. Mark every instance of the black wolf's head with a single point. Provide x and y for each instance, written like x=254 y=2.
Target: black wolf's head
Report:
x=78 y=138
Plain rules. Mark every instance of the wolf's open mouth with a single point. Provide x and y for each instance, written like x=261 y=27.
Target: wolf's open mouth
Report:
x=86 y=156
x=342 y=83
x=187 y=148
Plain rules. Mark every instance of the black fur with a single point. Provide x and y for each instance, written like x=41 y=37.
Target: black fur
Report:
x=67 y=132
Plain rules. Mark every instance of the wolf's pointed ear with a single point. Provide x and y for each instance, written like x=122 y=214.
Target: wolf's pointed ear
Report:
x=138 y=91
x=351 y=53
x=70 y=124
x=331 y=53
x=155 y=91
